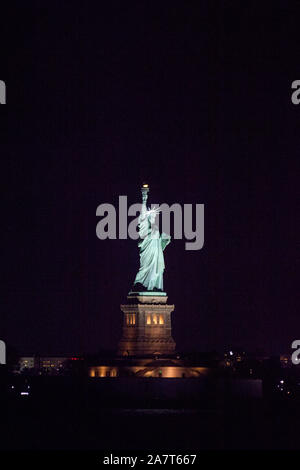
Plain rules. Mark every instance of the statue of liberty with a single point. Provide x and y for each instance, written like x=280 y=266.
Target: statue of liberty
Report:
x=151 y=246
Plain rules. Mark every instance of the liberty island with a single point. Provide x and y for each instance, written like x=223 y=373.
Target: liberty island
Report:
x=146 y=347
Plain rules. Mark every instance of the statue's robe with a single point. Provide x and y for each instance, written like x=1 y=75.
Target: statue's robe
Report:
x=151 y=245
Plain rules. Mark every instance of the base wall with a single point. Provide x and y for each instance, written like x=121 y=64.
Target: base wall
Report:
x=146 y=327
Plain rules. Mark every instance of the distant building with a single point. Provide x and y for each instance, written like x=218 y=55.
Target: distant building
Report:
x=27 y=362
x=286 y=360
x=42 y=364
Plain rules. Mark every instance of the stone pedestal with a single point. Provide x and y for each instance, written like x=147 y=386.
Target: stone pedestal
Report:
x=146 y=325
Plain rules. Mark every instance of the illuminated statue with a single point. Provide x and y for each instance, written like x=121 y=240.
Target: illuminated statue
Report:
x=151 y=245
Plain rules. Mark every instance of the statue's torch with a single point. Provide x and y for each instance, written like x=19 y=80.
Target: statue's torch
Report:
x=145 y=190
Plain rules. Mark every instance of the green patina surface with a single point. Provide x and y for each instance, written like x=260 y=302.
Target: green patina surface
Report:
x=149 y=279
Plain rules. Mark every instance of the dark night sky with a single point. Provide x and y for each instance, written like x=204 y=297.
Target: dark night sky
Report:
x=193 y=97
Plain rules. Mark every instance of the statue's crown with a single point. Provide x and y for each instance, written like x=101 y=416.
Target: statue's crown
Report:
x=154 y=210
